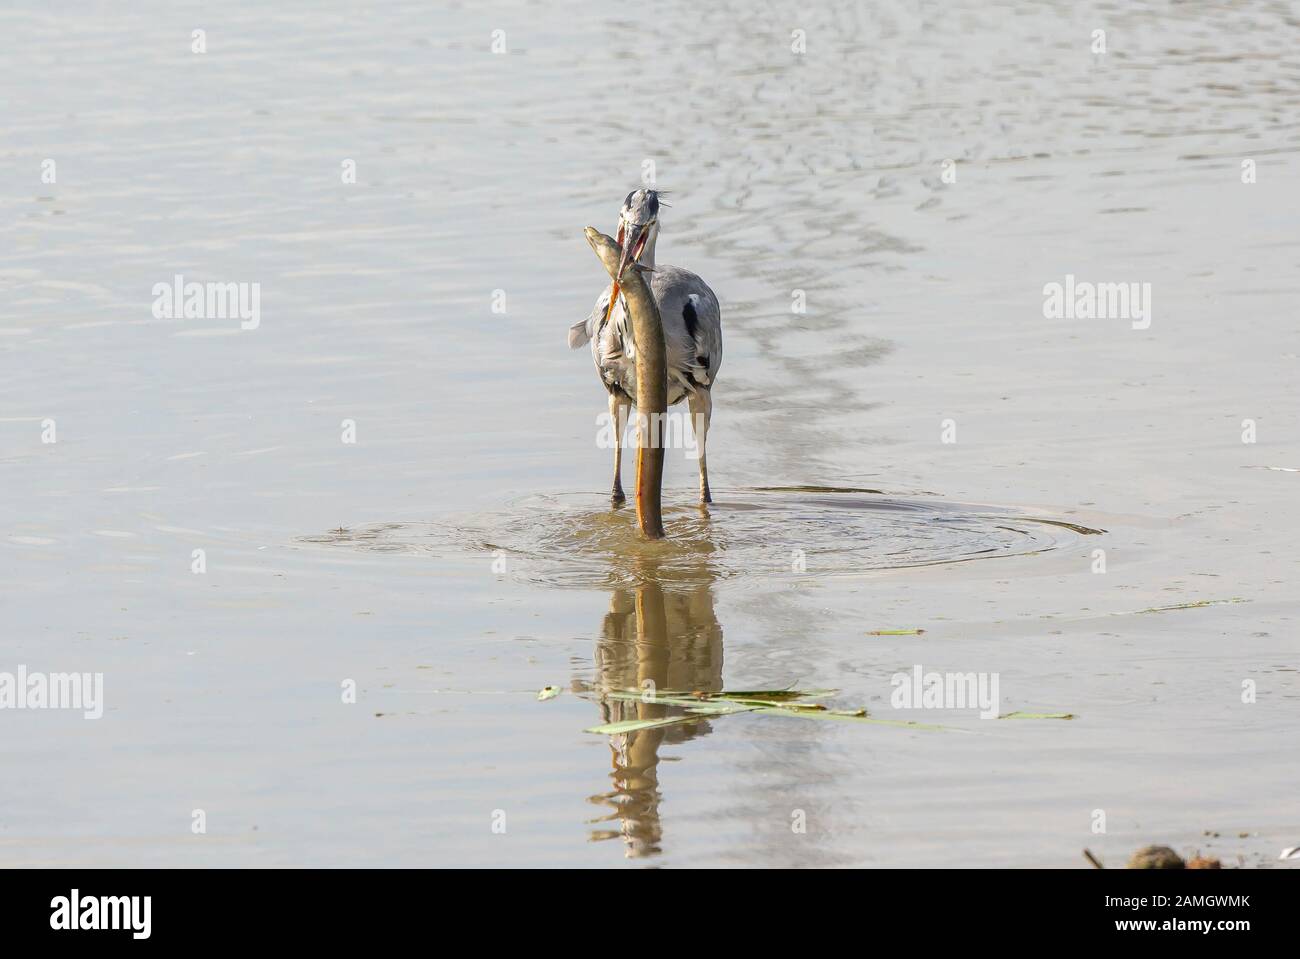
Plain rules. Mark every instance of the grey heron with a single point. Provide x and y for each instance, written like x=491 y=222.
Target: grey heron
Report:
x=691 y=328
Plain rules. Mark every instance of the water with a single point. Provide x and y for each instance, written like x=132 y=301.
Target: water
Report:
x=460 y=555
x=754 y=536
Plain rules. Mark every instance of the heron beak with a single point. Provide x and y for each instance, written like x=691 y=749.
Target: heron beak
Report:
x=633 y=238
x=632 y=241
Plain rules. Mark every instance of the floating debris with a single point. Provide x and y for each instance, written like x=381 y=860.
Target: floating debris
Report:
x=1160 y=857
x=1019 y=715
x=1200 y=603
x=1156 y=857
x=547 y=692
x=700 y=705
x=773 y=695
x=636 y=725
x=896 y=632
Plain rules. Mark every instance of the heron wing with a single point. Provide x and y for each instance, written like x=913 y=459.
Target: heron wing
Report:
x=581 y=332
x=692 y=323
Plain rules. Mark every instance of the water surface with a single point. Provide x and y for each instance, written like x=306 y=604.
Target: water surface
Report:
x=460 y=555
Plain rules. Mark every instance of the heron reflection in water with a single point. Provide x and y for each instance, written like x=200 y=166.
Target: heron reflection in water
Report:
x=664 y=632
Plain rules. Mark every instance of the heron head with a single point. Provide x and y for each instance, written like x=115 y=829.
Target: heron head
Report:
x=638 y=225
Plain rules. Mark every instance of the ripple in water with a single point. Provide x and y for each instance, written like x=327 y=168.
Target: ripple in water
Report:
x=577 y=540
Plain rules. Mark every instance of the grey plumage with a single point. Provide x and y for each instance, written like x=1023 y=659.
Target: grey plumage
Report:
x=692 y=322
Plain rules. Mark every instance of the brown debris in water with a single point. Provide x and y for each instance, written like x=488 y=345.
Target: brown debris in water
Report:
x=1156 y=857
x=1160 y=857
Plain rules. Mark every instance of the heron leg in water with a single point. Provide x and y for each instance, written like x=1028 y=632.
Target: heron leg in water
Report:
x=701 y=404
x=618 y=413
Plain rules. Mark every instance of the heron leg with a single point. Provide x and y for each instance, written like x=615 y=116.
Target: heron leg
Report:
x=618 y=412
x=701 y=405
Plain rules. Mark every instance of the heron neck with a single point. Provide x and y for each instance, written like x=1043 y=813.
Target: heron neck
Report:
x=647 y=258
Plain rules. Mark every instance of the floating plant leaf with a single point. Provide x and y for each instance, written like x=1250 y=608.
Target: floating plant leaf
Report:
x=1019 y=715
x=700 y=705
x=651 y=699
x=669 y=697
x=547 y=692
x=1196 y=605
x=634 y=725
x=777 y=694
x=896 y=632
